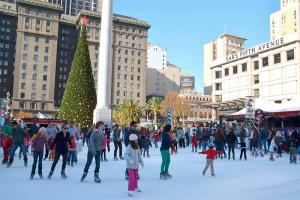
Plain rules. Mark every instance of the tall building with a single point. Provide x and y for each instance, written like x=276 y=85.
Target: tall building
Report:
x=269 y=70
x=73 y=7
x=286 y=21
x=223 y=46
x=37 y=45
x=157 y=57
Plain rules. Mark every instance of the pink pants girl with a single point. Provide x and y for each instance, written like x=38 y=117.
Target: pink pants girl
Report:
x=132 y=179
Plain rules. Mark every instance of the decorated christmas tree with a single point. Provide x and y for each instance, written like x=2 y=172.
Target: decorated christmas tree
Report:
x=79 y=100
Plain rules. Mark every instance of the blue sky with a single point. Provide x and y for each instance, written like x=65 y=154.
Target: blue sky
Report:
x=183 y=27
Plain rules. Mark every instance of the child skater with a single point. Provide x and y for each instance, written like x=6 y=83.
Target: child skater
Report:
x=194 y=143
x=211 y=153
x=72 y=151
x=103 y=148
x=272 y=149
x=133 y=159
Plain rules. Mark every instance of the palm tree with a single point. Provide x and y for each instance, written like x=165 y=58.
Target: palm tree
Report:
x=127 y=112
x=155 y=106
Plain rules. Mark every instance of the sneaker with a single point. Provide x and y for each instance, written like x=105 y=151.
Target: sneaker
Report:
x=105 y=160
x=40 y=175
x=121 y=158
x=83 y=177
x=130 y=193
x=50 y=174
x=68 y=163
x=63 y=175
x=31 y=176
x=9 y=164
x=138 y=189
x=203 y=173
x=4 y=162
x=115 y=158
x=213 y=174
x=96 y=178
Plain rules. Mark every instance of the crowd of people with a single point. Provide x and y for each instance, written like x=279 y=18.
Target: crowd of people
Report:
x=217 y=142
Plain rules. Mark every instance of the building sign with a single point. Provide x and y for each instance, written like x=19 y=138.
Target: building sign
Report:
x=169 y=115
x=187 y=82
x=256 y=49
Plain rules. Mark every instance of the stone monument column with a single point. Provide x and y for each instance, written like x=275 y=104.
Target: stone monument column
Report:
x=103 y=110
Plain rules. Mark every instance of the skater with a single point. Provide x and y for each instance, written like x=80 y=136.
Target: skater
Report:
x=279 y=142
x=51 y=133
x=18 y=141
x=293 y=147
x=194 y=143
x=231 y=140
x=117 y=138
x=94 y=150
x=211 y=153
x=72 y=150
x=127 y=133
x=272 y=148
x=205 y=139
x=133 y=159
x=103 y=148
x=6 y=142
x=165 y=153
x=243 y=149
x=61 y=142
x=39 y=141
x=156 y=138
x=146 y=144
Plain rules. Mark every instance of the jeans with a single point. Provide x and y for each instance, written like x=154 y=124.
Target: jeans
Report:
x=103 y=154
x=13 y=150
x=56 y=158
x=204 y=145
x=71 y=156
x=146 y=150
x=181 y=143
x=46 y=154
x=165 y=155
x=118 y=145
x=293 y=154
x=89 y=162
x=209 y=163
x=37 y=155
x=132 y=179
x=231 y=149
x=187 y=138
x=263 y=144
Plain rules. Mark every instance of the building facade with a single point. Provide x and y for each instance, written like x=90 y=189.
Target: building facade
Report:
x=199 y=104
x=39 y=43
x=270 y=70
x=223 y=46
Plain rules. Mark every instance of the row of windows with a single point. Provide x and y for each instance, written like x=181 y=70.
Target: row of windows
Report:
x=125 y=100
x=138 y=78
x=36 y=38
x=132 y=94
x=33 y=86
x=4 y=45
x=34 y=76
x=33 y=96
x=5 y=21
x=131 y=69
x=35 y=57
x=290 y=55
x=5 y=29
x=133 y=30
x=139 y=61
x=33 y=105
x=34 y=67
x=197 y=98
x=4 y=54
x=126 y=52
x=127 y=44
x=4 y=62
x=132 y=85
x=3 y=80
x=4 y=71
x=4 y=37
x=35 y=48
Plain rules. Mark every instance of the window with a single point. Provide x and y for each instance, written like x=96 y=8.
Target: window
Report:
x=118 y=84
x=33 y=87
x=290 y=55
x=45 y=68
x=244 y=67
x=46 y=49
x=34 y=67
x=44 y=97
x=235 y=69
x=25 y=56
x=23 y=75
x=139 y=62
x=44 y=77
x=256 y=65
x=118 y=93
x=265 y=61
x=32 y=105
x=226 y=71
x=24 y=66
x=25 y=48
x=44 y=86
x=256 y=93
x=26 y=37
x=36 y=39
x=119 y=67
x=132 y=77
x=23 y=85
x=132 y=69
x=139 y=70
x=45 y=58
x=35 y=57
x=256 y=79
x=36 y=48
x=138 y=78
x=125 y=76
x=277 y=58
x=138 y=94
x=34 y=76
x=218 y=74
x=218 y=86
x=125 y=93
x=139 y=53
x=22 y=95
